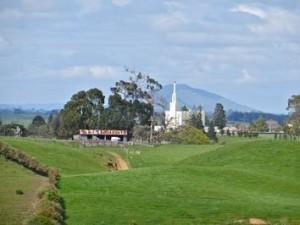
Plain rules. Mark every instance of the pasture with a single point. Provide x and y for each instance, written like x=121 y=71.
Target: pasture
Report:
x=17 y=208
x=226 y=183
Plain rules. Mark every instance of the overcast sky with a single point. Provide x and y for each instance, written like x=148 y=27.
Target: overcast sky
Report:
x=248 y=51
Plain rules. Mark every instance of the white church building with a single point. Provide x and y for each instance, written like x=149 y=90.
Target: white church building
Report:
x=174 y=117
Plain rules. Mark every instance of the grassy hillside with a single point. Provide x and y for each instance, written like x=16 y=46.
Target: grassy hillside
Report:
x=140 y=156
x=16 y=208
x=69 y=158
x=178 y=184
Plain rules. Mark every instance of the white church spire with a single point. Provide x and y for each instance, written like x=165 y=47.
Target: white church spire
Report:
x=173 y=103
x=174 y=92
x=174 y=117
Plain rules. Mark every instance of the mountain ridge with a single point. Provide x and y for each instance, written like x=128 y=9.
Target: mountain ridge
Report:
x=191 y=97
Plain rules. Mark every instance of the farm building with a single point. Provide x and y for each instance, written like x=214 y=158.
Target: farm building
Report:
x=96 y=136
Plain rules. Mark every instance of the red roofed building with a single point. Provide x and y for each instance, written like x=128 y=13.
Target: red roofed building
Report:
x=95 y=136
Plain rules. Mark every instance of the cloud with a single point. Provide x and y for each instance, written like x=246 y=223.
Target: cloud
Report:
x=94 y=71
x=245 y=78
x=169 y=21
x=120 y=3
x=273 y=20
x=278 y=21
x=90 y=6
x=250 y=10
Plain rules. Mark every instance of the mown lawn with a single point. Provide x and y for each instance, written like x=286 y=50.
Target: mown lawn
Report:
x=15 y=209
x=178 y=184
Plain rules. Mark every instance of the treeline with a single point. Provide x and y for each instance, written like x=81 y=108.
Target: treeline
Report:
x=50 y=208
x=129 y=105
x=252 y=116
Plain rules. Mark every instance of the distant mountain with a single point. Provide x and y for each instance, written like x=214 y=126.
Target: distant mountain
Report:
x=32 y=107
x=190 y=97
x=186 y=95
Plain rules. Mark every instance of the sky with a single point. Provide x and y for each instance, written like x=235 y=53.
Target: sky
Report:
x=247 y=51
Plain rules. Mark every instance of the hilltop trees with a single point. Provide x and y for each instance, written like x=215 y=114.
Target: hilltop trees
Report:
x=38 y=127
x=259 y=125
x=219 y=117
x=38 y=121
x=13 y=129
x=294 y=120
x=184 y=108
x=54 y=122
x=294 y=103
x=211 y=132
x=83 y=111
x=196 y=120
x=132 y=102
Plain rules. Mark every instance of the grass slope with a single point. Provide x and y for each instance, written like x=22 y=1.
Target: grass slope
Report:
x=140 y=156
x=70 y=159
x=178 y=184
x=16 y=208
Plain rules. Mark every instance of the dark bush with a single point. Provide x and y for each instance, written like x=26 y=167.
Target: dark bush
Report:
x=19 y=192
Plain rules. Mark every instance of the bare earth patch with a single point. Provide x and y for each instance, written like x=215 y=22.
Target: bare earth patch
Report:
x=40 y=185
x=256 y=221
x=252 y=221
x=117 y=163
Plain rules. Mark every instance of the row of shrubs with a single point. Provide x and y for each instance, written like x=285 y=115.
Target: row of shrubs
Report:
x=247 y=134
x=50 y=209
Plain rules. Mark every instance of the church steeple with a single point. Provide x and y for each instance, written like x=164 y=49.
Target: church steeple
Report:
x=173 y=103
x=174 y=92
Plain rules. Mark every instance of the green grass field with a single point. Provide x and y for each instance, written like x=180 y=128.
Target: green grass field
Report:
x=177 y=184
x=69 y=158
x=14 y=209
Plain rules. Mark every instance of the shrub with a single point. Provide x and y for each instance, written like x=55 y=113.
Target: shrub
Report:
x=186 y=135
x=54 y=176
x=50 y=210
x=19 y=192
x=23 y=159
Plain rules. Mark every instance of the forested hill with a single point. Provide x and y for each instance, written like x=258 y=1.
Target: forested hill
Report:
x=190 y=97
x=251 y=116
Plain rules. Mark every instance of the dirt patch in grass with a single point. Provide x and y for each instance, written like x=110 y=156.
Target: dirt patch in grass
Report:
x=117 y=163
x=40 y=185
x=256 y=221
x=252 y=221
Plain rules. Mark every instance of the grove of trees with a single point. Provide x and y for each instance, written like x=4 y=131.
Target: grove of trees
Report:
x=259 y=125
x=129 y=105
x=219 y=116
x=293 y=123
